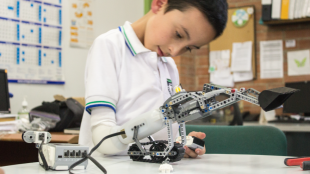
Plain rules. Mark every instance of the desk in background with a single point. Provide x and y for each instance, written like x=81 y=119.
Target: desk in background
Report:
x=209 y=163
x=15 y=151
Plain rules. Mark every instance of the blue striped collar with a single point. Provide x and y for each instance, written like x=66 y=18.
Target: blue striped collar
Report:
x=132 y=41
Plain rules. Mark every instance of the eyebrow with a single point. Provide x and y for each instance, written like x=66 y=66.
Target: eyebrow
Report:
x=188 y=37
x=185 y=30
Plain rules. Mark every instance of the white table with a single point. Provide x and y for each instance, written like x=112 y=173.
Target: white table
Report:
x=206 y=164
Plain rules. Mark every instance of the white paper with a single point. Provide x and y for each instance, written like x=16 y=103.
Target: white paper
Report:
x=82 y=26
x=243 y=76
x=220 y=73
x=218 y=79
x=298 y=62
x=290 y=43
x=242 y=57
x=271 y=59
x=219 y=60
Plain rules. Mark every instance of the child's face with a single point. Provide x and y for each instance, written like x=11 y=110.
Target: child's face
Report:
x=176 y=32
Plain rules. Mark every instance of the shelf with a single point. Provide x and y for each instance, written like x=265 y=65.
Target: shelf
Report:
x=278 y=22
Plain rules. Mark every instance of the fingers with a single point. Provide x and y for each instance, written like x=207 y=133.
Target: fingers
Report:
x=190 y=153
x=201 y=151
x=199 y=135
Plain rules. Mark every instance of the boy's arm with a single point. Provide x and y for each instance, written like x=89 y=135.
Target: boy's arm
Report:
x=102 y=123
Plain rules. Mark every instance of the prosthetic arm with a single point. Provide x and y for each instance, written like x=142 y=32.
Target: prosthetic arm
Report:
x=182 y=107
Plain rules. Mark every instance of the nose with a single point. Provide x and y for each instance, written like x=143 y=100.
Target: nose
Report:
x=175 y=50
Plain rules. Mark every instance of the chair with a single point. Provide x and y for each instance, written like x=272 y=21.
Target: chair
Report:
x=256 y=140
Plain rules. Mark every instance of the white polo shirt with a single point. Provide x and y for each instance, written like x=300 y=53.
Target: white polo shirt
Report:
x=126 y=78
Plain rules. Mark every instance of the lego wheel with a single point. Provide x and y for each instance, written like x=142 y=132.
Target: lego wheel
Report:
x=180 y=152
x=160 y=147
x=134 y=147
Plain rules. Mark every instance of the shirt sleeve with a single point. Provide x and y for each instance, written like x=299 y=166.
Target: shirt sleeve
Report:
x=101 y=80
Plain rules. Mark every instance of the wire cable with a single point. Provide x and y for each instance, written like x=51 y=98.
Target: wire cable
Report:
x=45 y=166
x=88 y=156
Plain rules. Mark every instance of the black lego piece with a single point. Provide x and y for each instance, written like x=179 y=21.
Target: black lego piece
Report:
x=273 y=98
x=306 y=165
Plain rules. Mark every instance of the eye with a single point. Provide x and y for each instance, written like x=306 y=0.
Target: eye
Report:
x=178 y=35
x=189 y=49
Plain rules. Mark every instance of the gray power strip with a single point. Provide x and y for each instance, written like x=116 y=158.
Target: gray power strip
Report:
x=62 y=156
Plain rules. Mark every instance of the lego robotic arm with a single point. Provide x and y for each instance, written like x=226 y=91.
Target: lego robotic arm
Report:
x=182 y=107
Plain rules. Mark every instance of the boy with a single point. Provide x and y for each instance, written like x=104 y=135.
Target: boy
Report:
x=129 y=70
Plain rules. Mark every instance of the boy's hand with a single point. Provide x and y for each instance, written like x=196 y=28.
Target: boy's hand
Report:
x=193 y=154
x=1 y=171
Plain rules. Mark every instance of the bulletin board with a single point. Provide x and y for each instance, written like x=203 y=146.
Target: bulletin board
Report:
x=30 y=41
x=234 y=33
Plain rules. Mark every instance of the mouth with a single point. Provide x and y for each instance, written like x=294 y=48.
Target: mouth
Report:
x=160 y=52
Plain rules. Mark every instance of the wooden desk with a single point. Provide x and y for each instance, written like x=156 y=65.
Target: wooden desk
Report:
x=15 y=151
x=57 y=137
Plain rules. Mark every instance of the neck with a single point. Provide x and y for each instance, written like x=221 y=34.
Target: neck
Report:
x=140 y=25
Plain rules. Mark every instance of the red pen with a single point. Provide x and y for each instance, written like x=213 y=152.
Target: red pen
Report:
x=295 y=161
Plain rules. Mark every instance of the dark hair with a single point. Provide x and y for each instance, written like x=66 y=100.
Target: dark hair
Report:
x=214 y=10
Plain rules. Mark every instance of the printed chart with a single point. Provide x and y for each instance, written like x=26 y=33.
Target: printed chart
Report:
x=30 y=41
x=82 y=31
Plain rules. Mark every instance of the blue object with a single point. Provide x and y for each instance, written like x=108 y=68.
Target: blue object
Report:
x=206 y=110
x=17 y=9
x=44 y=54
x=31 y=5
x=40 y=9
x=18 y=32
x=60 y=17
x=208 y=105
x=161 y=110
x=212 y=87
x=59 y=59
x=52 y=61
x=40 y=59
x=31 y=30
x=23 y=36
x=44 y=10
x=23 y=59
x=0 y=54
x=10 y=8
x=11 y=95
x=24 y=52
x=17 y=55
x=40 y=34
x=59 y=37
x=44 y=19
x=210 y=108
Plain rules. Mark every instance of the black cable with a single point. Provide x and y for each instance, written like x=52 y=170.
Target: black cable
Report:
x=45 y=166
x=87 y=156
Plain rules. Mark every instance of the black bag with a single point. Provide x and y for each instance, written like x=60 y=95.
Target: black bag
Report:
x=70 y=112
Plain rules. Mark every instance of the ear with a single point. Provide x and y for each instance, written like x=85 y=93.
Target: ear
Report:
x=157 y=5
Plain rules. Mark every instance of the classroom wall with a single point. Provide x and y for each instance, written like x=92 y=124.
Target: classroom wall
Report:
x=107 y=15
x=194 y=67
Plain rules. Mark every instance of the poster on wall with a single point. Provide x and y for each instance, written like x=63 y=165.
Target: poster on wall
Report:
x=30 y=41
x=81 y=27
